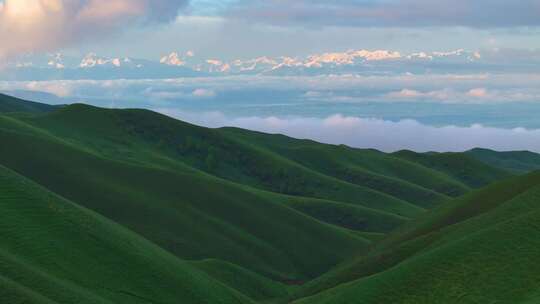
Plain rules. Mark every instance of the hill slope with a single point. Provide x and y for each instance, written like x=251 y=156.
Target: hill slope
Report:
x=274 y=163
x=514 y=161
x=53 y=251
x=478 y=248
x=12 y=104
x=191 y=215
x=252 y=212
x=187 y=212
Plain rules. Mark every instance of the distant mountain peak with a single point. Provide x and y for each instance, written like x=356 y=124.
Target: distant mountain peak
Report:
x=186 y=63
x=92 y=60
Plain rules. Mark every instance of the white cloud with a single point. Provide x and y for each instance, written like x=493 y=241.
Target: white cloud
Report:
x=443 y=95
x=383 y=13
x=58 y=89
x=37 y=25
x=376 y=133
x=203 y=93
x=464 y=89
x=478 y=93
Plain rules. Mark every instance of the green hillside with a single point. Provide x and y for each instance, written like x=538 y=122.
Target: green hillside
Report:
x=248 y=283
x=513 y=161
x=12 y=104
x=459 y=166
x=53 y=251
x=112 y=132
x=194 y=216
x=131 y=206
x=481 y=248
x=382 y=172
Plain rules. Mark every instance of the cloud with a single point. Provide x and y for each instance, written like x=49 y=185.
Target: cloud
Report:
x=203 y=93
x=478 y=93
x=408 y=94
x=474 y=95
x=42 y=25
x=376 y=133
x=376 y=13
x=327 y=89
x=57 y=89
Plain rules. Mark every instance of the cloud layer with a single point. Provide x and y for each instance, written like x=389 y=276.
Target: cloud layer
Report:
x=41 y=25
x=379 y=134
x=328 y=89
x=403 y=13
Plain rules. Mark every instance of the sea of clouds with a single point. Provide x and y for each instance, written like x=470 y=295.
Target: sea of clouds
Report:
x=420 y=112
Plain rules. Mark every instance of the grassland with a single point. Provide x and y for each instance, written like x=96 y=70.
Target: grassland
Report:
x=480 y=248
x=11 y=104
x=54 y=251
x=130 y=206
x=514 y=161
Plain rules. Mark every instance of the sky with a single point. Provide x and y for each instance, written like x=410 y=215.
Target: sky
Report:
x=489 y=96
x=249 y=28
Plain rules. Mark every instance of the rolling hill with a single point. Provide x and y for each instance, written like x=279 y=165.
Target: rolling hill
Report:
x=12 y=104
x=481 y=247
x=54 y=251
x=144 y=208
x=513 y=161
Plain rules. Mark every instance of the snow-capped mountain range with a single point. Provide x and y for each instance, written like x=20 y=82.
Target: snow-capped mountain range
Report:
x=187 y=64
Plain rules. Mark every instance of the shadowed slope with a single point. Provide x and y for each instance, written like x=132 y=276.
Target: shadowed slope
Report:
x=248 y=283
x=53 y=251
x=515 y=161
x=455 y=251
x=191 y=214
x=12 y=104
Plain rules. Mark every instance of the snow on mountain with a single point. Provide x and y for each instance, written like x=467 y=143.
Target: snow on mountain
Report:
x=177 y=59
x=257 y=64
x=92 y=60
x=56 y=61
x=350 y=57
x=187 y=64
x=420 y=56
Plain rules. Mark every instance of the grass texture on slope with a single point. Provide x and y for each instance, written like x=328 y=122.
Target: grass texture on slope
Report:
x=53 y=251
x=12 y=104
x=133 y=135
x=519 y=162
x=247 y=282
x=414 y=179
x=194 y=216
x=459 y=166
x=481 y=248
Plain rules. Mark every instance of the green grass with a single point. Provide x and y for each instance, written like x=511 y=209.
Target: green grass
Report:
x=10 y=104
x=346 y=215
x=460 y=166
x=121 y=134
x=107 y=206
x=53 y=251
x=481 y=248
x=365 y=178
x=192 y=215
x=246 y=282
x=515 y=161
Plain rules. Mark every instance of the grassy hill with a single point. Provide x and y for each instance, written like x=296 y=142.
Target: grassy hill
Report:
x=460 y=166
x=12 y=104
x=269 y=162
x=480 y=248
x=514 y=161
x=54 y=251
x=252 y=285
x=156 y=210
x=194 y=216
